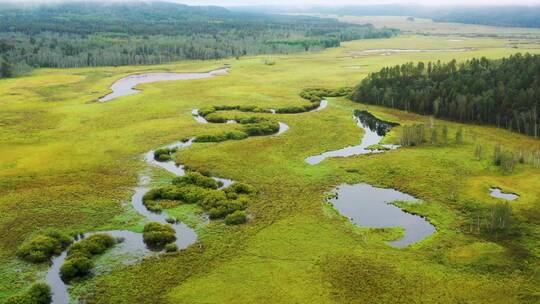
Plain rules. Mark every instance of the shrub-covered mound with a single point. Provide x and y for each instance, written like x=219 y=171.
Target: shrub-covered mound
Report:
x=164 y=154
x=39 y=293
x=314 y=95
x=43 y=246
x=195 y=188
x=79 y=259
x=251 y=126
x=158 y=236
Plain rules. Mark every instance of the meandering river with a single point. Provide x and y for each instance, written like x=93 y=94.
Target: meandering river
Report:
x=126 y=86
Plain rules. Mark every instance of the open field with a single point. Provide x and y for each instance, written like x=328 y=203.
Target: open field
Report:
x=69 y=162
x=422 y=26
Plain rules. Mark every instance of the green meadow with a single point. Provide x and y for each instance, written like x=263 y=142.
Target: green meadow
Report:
x=70 y=162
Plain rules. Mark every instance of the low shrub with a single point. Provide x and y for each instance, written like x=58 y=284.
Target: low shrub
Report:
x=171 y=247
x=216 y=118
x=43 y=246
x=207 y=110
x=164 y=154
x=318 y=94
x=77 y=266
x=197 y=179
x=221 y=209
x=261 y=128
x=236 y=218
x=157 y=235
x=92 y=245
x=231 y=135
x=78 y=261
x=240 y=188
x=39 y=293
x=298 y=109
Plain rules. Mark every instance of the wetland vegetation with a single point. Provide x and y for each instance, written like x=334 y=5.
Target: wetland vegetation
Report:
x=163 y=198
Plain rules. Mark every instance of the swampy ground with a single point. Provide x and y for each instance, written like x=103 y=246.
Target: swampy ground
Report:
x=69 y=162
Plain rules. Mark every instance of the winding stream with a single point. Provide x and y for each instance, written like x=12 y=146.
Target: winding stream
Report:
x=373 y=209
x=131 y=242
x=374 y=131
x=126 y=86
x=370 y=206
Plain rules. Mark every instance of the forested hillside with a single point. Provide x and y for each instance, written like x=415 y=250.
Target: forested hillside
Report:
x=97 y=34
x=505 y=93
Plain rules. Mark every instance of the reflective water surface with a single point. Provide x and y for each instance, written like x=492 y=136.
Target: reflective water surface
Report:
x=370 y=206
x=498 y=193
x=374 y=131
x=126 y=85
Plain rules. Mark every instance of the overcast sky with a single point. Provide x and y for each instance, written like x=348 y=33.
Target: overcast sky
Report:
x=318 y=2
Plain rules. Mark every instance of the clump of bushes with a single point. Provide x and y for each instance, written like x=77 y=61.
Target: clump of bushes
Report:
x=79 y=258
x=216 y=118
x=261 y=128
x=41 y=247
x=318 y=94
x=171 y=247
x=195 y=188
x=197 y=179
x=240 y=188
x=236 y=218
x=413 y=135
x=39 y=293
x=157 y=235
x=230 y=135
x=207 y=111
x=298 y=109
x=164 y=154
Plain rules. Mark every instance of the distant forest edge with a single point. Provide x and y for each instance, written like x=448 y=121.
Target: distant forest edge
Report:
x=123 y=33
x=511 y=16
x=504 y=92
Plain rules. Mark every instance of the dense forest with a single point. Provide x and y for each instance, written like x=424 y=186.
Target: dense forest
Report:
x=126 y=33
x=504 y=92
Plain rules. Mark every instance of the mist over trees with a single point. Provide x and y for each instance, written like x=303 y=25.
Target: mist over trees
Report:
x=98 y=34
x=504 y=93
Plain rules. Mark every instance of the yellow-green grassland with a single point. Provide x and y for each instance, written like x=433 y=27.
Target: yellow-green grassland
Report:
x=70 y=162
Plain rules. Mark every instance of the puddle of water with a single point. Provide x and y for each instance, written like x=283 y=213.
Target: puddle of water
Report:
x=498 y=193
x=374 y=131
x=125 y=86
x=370 y=206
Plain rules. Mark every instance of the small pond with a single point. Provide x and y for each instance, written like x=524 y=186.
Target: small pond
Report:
x=369 y=206
x=498 y=193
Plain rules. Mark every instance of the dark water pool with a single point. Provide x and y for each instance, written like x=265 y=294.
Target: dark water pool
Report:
x=374 y=131
x=369 y=206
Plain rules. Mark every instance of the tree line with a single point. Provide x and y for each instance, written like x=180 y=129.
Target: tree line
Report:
x=504 y=92
x=124 y=33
